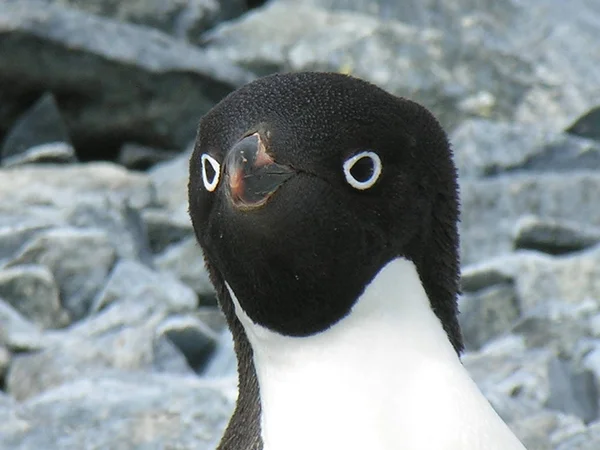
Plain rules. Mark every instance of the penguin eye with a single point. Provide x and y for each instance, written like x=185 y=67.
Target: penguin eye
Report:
x=211 y=172
x=362 y=170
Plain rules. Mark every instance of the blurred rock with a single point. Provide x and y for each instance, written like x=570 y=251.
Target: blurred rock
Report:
x=80 y=261
x=542 y=430
x=13 y=237
x=5 y=357
x=40 y=135
x=572 y=392
x=165 y=229
x=170 y=180
x=128 y=349
x=484 y=148
x=140 y=157
x=588 y=439
x=145 y=411
x=31 y=290
x=491 y=207
x=194 y=339
x=487 y=314
x=18 y=333
x=113 y=82
x=554 y=237
x=181 y=18
x=223 y=362
x=132 y=280
x=184 y=260
x=588 y=125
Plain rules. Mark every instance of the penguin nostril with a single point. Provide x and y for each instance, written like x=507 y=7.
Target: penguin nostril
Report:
x=362 y=170
x=211 y=172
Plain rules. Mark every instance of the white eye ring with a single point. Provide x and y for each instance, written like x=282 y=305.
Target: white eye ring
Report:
x=210 y=185
x=364 y=184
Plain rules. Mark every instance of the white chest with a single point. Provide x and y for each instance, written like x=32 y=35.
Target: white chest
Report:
x=383 y=378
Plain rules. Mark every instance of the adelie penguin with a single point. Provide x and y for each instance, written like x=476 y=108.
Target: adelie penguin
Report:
x=327 y=211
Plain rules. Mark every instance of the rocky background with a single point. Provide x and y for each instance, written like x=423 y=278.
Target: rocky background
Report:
x=109 y=333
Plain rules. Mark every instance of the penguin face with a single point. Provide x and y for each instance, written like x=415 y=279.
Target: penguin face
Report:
x=302 y=186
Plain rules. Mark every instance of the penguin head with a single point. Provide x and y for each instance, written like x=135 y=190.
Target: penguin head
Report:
x=303 y=186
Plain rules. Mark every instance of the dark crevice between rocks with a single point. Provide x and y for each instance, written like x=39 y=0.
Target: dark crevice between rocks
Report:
x=252 y=4
x=197 y=351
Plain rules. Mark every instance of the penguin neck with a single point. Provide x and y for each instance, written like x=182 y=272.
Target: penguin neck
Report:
x=375 y=379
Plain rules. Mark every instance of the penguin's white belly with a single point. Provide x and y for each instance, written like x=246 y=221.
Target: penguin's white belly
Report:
x=383 y=378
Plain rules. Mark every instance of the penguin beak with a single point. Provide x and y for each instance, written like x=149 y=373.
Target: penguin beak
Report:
x=251 y=174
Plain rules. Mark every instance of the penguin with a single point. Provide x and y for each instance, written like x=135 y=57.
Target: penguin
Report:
x=327 y=209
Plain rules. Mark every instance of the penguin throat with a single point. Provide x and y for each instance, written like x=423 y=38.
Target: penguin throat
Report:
x=384 y=377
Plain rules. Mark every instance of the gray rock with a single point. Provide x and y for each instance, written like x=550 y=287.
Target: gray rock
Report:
x=132 y=280
x=184 y=260
x=491 y=207
x=223 y=363
x=142 y=411
x=588 y=439
x=140 y=157
x=5 y=358
x=181 y=18
x=170 y=180
x=213 y=317
x=122 y=224
x=129 y=349
x=31 y=290
x=40 y=135
x=80 y=261
x=165 y=229
x=456 y=75
x=477 y=277
x=168 y=358
x=484 y=148
x=41 y=189
x=487 y=314
x=118 y=82
x=541 y=430
x=588 y=125
x=194 y=339
x=554 y=236
x=13 y=237
x=571 y=391
x=18 y=333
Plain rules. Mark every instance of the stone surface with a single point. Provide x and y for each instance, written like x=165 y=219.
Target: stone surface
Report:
x=122 y=411
x=181 y=18
x=554 y=237
x=571 y=391
x=170 y=180
x=140 y=157
x=588 y=125
x=79 y=260
x=487 y=314
x=114 y=82
x=132 y=280
x=486 y=148
x=184 y=260
x=40 y=135
x=32 y=290
x=588 y=439
x=223 y=362
x=494 y=205
x=165 y=229
x=18 y=333
x=194 y=339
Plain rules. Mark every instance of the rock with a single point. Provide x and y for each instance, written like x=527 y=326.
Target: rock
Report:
x=223 y=363
x=132 y=280
x=164 y=229
x=80 y=261
x=484 y=148
x=554 y=237
x=18 y=333
x=214 y=318
x=114 y=82
x=5 y=357
x=487 y=314
x=588 y=125
x=140 y=157
x=142 y=411
x=491 y=207
x=181 y=18
x=571 y=391
x=184 y=260
x=41 y=188
x=122 y=224
x=588 y=439
x=542 y=430
x=40 y=135
x=477 y=277
x=13 y=237
x=128 y=349
x=194 y=339
x=31 y=290
x=168 y=358
x=170 y=180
